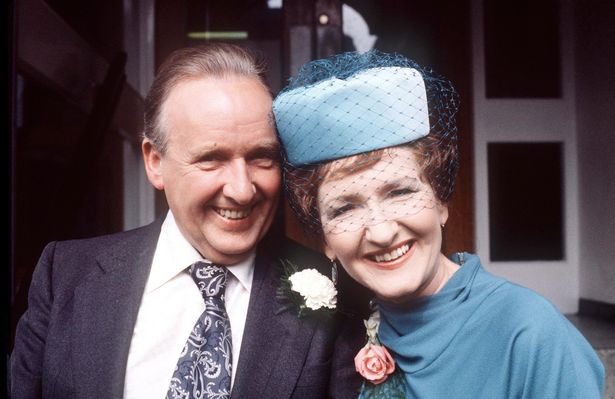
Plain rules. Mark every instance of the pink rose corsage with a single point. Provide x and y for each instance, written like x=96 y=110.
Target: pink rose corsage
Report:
x=374 y=363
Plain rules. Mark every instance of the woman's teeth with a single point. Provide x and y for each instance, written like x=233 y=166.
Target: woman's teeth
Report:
x=233 y=214
x=394 y=254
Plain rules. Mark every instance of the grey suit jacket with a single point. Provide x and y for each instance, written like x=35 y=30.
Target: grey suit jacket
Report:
x=74 y=338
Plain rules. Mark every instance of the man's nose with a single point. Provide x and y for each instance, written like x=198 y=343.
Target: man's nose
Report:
x=239 y=186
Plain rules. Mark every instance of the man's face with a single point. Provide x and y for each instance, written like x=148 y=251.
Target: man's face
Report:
x=221 y=173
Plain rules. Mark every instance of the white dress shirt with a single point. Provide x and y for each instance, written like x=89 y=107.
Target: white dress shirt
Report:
x=170 y=308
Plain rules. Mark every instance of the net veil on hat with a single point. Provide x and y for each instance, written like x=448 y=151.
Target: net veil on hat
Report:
x=353 y=112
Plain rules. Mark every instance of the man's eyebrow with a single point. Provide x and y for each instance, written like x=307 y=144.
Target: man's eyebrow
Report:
x=268 y=145
x=206 y=147
x=271 y=148
x=205 y=150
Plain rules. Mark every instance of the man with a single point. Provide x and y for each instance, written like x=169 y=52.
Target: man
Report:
x=110 y=317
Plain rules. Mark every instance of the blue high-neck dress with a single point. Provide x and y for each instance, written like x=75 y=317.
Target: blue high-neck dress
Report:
x=484 y=337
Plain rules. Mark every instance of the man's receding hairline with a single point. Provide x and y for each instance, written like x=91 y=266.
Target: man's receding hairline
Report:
x=162 y=115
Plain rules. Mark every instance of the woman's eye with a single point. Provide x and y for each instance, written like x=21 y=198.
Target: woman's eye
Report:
x=400 y=192
x=339 y=211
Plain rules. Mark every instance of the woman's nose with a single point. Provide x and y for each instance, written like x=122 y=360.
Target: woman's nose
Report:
x=382 y=233
x=239 y=186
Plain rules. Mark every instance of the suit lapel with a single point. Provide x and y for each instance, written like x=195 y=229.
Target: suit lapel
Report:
x=105 y=311
x=275 y=344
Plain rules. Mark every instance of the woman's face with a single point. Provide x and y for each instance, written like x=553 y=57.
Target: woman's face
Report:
x=383 y=223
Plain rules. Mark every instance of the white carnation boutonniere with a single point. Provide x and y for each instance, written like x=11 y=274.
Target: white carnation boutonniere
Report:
x=307 y=290
x=316 y=289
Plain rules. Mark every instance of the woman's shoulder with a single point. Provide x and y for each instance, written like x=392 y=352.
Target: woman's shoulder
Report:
x=522 y=301
x=548 y=343
x=515 y=305
x=540 y=338
x=505 y=299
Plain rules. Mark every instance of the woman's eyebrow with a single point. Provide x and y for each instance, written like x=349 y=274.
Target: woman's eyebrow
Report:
x=403 y=181
x=355 y=198
x=343 y=199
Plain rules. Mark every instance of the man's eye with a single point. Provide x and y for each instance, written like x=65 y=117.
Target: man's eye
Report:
x=209 y=162
x=264 y=162
x=266 y=159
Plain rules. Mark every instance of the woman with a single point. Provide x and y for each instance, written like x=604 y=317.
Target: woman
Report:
x=370 y=163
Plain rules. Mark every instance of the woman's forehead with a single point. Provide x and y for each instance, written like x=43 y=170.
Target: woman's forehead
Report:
x=395 y=166
x=372 y=164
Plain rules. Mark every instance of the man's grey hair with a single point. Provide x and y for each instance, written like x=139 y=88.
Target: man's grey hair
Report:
x=216 y=60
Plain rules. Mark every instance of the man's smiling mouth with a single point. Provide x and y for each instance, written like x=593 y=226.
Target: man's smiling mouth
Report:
x=233 y=214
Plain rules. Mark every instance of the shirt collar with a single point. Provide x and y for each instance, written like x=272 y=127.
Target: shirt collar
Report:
x=174 y=254
x=244 y=271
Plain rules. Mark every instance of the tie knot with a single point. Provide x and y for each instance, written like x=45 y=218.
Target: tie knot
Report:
x=210 y=278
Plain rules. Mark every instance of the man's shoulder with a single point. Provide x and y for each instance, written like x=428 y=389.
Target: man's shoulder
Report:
x=352 y=298
x=79 y=256
x=281 y=248
x=95 y=244
x=302 y=255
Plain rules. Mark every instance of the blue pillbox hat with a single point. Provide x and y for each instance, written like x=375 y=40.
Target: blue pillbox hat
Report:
x=335 y=118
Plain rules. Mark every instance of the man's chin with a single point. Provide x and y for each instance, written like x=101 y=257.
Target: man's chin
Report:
x=230 y=246
x=231 y=253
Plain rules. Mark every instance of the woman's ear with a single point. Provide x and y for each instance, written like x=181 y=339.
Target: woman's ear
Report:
x=443 y=211
x=329 y=252
x=153 y=164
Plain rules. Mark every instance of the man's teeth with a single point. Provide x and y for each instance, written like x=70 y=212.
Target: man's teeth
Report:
x=233 y=214
x=394 y=254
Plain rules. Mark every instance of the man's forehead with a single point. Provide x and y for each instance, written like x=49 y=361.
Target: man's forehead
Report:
x=230 y=114
x=214 y=86
x=244 y=146
x=215 y=83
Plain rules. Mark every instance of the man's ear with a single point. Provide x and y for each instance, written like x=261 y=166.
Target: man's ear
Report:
x=153 y=164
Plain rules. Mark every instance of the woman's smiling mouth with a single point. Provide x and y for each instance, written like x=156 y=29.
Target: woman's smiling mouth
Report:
x=391 y=254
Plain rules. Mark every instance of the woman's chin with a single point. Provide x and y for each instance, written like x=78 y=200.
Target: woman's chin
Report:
x=395 y=295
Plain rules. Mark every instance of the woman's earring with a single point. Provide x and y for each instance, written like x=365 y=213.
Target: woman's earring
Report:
x=442 y=225
x=373 y=305
x=334 y=271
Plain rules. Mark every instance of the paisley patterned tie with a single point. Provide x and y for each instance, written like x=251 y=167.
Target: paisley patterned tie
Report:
x=203 y=370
